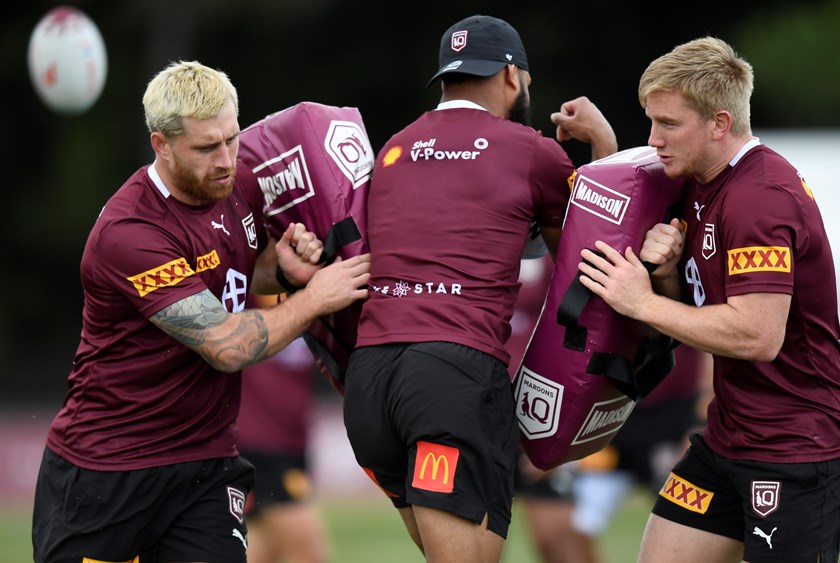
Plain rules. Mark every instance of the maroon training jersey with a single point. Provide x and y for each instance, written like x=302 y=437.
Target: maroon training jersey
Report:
x=756 y=228
x=137 y=398
x=451 y=199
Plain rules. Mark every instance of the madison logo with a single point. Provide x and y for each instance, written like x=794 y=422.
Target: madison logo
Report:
x=686 y=494
x=164 y=275
x=350 y=149
x=765 y=497
x=759 y=259
x=434 y=467
x=236 y=503
x=604 y=418
x=284 y=181
x=538 y=401
x=599 y=200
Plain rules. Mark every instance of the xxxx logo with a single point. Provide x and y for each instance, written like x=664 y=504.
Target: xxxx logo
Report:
x=164 y=275
x=434 y=467
x=207 y=262
x=759 y=259
x=686 y=495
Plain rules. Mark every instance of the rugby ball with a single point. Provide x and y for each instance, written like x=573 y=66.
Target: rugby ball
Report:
x=68 y=63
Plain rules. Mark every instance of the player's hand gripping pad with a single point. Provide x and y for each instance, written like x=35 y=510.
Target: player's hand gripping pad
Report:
x=313 y=163
x=586 y=366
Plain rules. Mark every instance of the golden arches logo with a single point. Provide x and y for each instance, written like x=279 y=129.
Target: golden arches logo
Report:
x=435 y=466
x=437 y=461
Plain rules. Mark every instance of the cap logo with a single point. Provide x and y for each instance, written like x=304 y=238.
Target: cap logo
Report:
x=459 y=40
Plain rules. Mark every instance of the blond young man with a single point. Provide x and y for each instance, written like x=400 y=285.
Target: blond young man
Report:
x=747 y=276
x=141 y=462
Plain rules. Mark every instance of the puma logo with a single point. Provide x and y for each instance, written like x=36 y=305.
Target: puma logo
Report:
x=220 y=225
x=698 y=208
x=758 y=532
x=238 y=534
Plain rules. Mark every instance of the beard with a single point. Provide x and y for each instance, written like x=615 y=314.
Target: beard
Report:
x=200 y=189
x=521 y=110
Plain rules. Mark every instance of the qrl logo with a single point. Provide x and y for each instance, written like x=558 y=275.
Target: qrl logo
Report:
x=709 y=247
x=538 y=402
x=459 y=40
x=765 y=497
x=236 y=501
x=350 y=149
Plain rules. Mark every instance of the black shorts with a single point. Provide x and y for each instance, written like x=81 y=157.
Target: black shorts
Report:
x=280 y=479
x=184 y=512
x=652 y=433
x=434 y=424
x=781 y=511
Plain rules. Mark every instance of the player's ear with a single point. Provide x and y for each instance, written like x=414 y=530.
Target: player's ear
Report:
x=512 y=76
x=160 y=144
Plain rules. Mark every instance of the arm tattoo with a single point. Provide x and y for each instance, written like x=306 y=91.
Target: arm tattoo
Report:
x=201 y=322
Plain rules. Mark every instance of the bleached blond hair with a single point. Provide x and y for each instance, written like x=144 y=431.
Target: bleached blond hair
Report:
x=710 y=76
x=186 y=89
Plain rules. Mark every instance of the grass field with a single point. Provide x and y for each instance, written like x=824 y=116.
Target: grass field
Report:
x=368 y=530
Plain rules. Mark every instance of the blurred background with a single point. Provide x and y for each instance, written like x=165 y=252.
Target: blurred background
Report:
x=370 y=55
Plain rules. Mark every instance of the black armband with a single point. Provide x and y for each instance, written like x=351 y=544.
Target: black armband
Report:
x=283 y=281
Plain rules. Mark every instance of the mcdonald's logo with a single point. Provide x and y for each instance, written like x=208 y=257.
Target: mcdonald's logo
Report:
x=759 y=259
x=434 y=467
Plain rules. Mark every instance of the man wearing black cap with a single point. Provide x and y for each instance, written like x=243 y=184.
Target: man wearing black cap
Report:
x=428 y=403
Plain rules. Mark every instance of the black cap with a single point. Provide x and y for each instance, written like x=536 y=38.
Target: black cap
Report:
x=480 y=46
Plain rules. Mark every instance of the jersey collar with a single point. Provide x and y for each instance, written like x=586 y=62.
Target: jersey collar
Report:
x=455 y=104
x=754 y=142
x=153 y=174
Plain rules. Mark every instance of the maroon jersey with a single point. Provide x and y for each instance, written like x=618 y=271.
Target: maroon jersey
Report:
x=276 y=401
x=137 y=398
x=756 y=228
x=450 y=203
